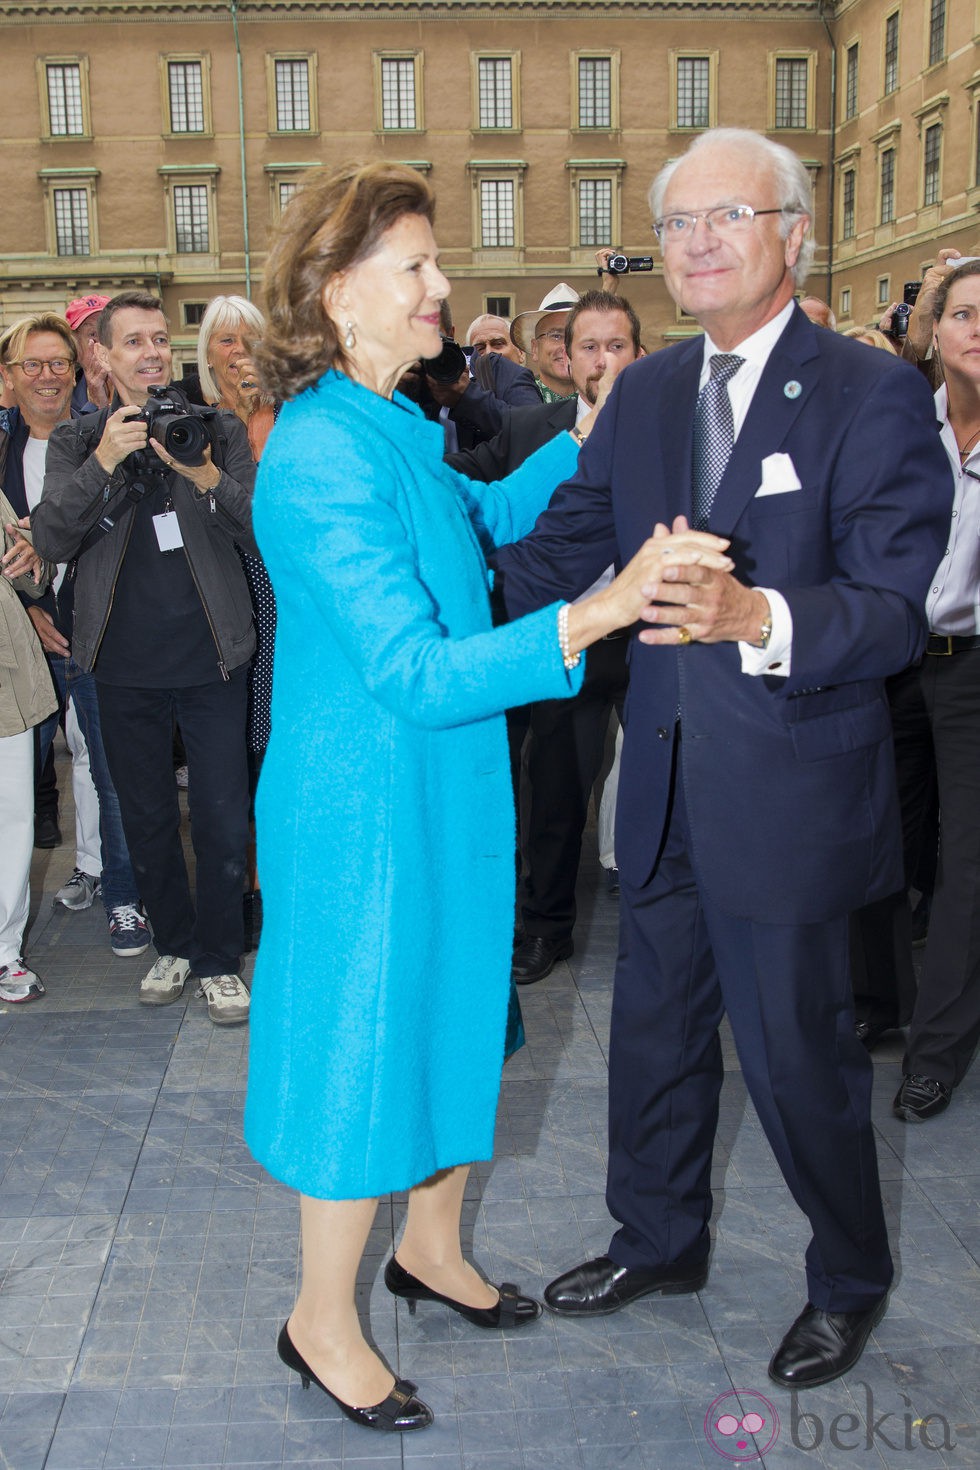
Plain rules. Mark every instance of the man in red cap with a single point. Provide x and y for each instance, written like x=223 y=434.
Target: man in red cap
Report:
x=93 y=389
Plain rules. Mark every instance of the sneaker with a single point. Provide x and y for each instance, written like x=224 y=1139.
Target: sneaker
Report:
x=920 y=1098
x=18 y=983
x=80 y=892
x=128 y=933
x=165 y=981
x=227 y=997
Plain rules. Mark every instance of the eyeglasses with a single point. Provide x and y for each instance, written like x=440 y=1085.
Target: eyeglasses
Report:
x=553 y=336
x=724 y=219
x=34 y=366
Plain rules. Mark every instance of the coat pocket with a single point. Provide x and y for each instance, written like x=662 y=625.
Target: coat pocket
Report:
x=841 y=730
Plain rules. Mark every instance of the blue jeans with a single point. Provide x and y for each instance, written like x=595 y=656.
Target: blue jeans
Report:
x=118 y=879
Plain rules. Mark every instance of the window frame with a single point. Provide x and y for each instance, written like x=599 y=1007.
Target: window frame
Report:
x=932 y=168
x=690 y=53
x=789 y=54
x=177 y=176
x=934 y=58
x=378 y=60
x=186 y=58
x=490 y=170
x=272 y=93
x=597 y=170
x=896 y=16
x=890 y=150
x=283 y=173
x=54 y=180
x=848 y=175
x=514 y=59
x=844 y=302
x=595 y=54
x=81 y=62
x=852 y=75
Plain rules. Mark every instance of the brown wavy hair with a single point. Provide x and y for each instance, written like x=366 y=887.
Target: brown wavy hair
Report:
x=336 y=220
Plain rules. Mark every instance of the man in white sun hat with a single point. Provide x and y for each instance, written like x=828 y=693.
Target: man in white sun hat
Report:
x=541 y=337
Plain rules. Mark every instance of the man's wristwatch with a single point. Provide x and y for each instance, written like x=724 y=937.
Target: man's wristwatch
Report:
x=765 y=632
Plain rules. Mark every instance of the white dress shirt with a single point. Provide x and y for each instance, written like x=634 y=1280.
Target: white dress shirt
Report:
x=953 y=601
x=774 y=659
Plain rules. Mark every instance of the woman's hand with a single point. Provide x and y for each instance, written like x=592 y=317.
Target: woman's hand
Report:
x=629 y=597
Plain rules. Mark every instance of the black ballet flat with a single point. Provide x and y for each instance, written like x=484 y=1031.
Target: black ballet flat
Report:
x=401 y=1410
x=512 y=1310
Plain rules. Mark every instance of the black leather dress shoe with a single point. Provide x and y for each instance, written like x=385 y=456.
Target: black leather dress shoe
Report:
x=920 y=1098
x=534 y=958
x=599 y=1287
x=869 y=1030
x=820 y=1346
x=47 y=833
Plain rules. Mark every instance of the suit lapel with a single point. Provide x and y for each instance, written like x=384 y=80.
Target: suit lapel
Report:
x=788 y=379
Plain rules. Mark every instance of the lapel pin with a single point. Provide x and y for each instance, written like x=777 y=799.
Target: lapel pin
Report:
x=792 y=389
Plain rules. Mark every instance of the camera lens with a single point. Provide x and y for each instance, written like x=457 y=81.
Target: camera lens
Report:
x=185 y=439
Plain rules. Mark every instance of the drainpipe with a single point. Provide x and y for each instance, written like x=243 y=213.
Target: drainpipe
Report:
x=831 y=161
x=233 y=6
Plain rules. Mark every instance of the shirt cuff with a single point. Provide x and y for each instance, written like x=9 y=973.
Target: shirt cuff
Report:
x=774 y=660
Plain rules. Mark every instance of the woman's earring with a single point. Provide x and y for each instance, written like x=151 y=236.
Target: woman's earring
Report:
x=349 y=339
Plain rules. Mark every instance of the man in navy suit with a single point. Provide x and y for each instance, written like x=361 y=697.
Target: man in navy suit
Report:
x=757 y=789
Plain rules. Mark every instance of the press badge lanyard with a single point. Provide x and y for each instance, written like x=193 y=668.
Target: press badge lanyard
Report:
x=167 y=528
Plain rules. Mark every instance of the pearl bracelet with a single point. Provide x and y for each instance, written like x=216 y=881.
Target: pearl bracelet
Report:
x=569 y=659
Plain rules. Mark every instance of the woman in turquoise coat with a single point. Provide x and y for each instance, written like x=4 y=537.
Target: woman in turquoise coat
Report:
x=384 y=812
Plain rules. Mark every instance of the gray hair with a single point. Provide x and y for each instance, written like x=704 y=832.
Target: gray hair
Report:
x=792 y=183
x=224 y=311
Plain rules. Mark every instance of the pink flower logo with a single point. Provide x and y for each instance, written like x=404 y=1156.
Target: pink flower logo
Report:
x=741 y=1425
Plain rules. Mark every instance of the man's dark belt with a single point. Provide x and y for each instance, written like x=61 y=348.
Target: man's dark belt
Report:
x=947 y=643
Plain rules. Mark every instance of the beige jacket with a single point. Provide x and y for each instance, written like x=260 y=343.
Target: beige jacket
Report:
x=26 y=689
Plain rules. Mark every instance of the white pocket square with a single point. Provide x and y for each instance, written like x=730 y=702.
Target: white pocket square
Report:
x=778 y=475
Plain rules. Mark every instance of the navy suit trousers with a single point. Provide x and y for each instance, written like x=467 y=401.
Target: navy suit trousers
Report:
x=786 y=989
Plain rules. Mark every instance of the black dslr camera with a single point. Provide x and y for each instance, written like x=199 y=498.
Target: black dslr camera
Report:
x=183 y=430
x=449 y=365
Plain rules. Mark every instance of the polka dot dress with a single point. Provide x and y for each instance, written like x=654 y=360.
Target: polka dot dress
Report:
x=260 y=674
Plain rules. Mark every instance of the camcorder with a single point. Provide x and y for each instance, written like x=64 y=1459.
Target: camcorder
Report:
x=182 y=428
x=621 y=265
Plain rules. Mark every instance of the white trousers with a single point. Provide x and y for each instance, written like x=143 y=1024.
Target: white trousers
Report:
x=17 y=846
x=88 y=841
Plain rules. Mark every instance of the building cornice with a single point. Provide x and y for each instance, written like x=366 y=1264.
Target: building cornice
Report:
x=23 y=12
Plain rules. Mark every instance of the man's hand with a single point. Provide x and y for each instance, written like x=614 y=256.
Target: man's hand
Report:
x=921 y=322
x=204 y=476
x=123 y=434
x=51 y=640
x=98 y=386
x=609 y=281
x=699 y=597
x=21 y=557
x=447 y=395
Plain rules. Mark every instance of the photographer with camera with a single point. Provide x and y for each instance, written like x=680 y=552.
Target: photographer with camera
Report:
x=151 y=496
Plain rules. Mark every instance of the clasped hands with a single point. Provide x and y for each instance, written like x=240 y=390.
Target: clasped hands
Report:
x=681 y=579
x=21 y=558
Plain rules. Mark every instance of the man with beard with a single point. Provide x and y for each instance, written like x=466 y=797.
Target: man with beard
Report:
x=565 y=737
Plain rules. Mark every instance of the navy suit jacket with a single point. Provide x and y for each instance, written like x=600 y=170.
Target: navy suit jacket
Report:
x=789 y=782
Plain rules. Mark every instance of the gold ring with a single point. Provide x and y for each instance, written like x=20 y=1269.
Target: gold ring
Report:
x=684 y=636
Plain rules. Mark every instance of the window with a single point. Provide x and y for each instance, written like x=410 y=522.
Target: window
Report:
x=883 y=290
x=399 y=93
x=595 y=211
x=63 y=88
x=292 y=95
x=285 y=182
x=497 y=206
x=597 y=100
x=937 y=31
x=891 y=54
x=886 y=209
x=191 y=219
x=499 y=306
x=851 y=86
x=845 y=301
x=497 y=212
x=192 y=312
x=65 y=100
x=931 y=155
x=693 y=108
x=792 y=92
x=495 y=92
x=71 y=221
x=288 y=189
x=848 y=187
x=185 y=86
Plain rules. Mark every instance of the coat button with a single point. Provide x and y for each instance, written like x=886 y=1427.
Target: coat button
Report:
x=663 y=732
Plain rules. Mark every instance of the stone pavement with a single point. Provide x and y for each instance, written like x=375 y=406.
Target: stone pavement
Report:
x=146 y=1262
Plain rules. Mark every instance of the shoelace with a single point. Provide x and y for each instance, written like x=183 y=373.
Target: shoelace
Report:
x=227 y=986
x=126 y=917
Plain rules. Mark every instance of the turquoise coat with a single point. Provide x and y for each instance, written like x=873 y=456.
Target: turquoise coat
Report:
x=384 y=813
